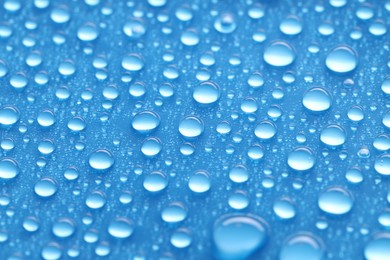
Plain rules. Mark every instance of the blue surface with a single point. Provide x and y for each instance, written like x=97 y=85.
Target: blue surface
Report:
x=163 y=129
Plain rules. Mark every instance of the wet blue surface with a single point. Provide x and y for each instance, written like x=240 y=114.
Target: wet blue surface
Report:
x=163 y=129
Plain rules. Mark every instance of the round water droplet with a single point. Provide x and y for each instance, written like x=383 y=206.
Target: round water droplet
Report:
x=238 y=200
x=238 y=236
x=134 y=29
x=225 y=23
x=60 y=14
x=206 y=93
x=249 y=105
x=67 y=68
x=63 y=227
x=101 y=159
x=354 y=175
x=256 y=80
x=88 y=32
x=191 y=127
x=31 y=224
x=137 y=90
x=46 y=187
x=317 y=100
x=174 y=213
x=157 y=3
x=181 y=238
x=145 y=121
x=333 y=135
x=382 y=142
x=9 y=115
x=284 y=208
x=71 y=174
x=355 y=114
x=46 y=118
x=76 y=124
x=132 y=62
x=291 y=25
x=155 y=182
x=386 y=85
x=386 y=119
x=335 y=201
x=341 y=59
x=338 y=3
x=256 y=152
x=384 y=218
x=265 y=130
x=302 y=246
x=121 y=228
x=378 y=248
x=96 y=200
x=151 y=146
x=9 y=168
x=190 y=38
x=279 y=54
x=239 y=174
x=51 y=251
x=301 y=159
x=382 y=164
x=199 y=182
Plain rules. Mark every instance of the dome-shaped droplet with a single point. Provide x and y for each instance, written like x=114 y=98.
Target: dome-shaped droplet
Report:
x=279 y=54
x=302 y=246
x=96 y=200
x=190 y=37
x=206 y=93
x=134 y=29
x=181 y=238
x=301 y=159
x=382 y=164
x=284 y=208
x=46 y=118
x=386 y=86
x=265 y=130
x=239 y=174
x=238 y=200
x=77 y=124
x=341 y=59
x=238 y=236
x=9 y=115
x=174 y=213
x=46 y=187
x=101 y=159
x=199 y=182
x=191 y=127
x=63 y=227
x=9 y=168
x=155 y=182
x=291 y=25
x=335 y=201
x=87 y=32
x=145 y=121
x=333 y=135
x=378 y=248
x=121 y=228
x=51 y=251
x=132 y=62
x=225 y=23
x=317 y=100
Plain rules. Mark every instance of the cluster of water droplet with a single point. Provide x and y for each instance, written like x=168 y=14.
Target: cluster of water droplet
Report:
x=162 y=129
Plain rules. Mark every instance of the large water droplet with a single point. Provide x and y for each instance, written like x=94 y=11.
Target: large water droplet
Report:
x=302 y=246
x=155 y=182
x=9 y=115
x=206 y=93
x=335 y=201
x=382 y=164
x=174 y=213
x=265 y=130
x=378 y=248
x=9 y=168
x=145 y=121
x=333 y=135
x=199 y=182
x=63 y=227
x=121 y=228
x=317 y=99
x=341 y=59
x=132 y=62
x=238 y=236
x=101 y=159
x=46 y=187
x=301 y=159
x=191 y=127
x=279 y=54
x=225 y=23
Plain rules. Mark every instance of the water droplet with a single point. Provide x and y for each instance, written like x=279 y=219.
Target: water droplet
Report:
x=46 y=187
x=302 y=246
x=87 y=32
x=265 y=130
x=239 y=174
x=145 y=121
x=9 y=115
x=67 y=68
x=76 y=124
x=301 y=159
x=46 y=118
x=317 y=100
x=30 y=224
x=157 y=3
x=132 y=62
x=284 y=208
x=386 y=119
x=51 y=251
x=60 y=14
x=355 y=114
x=382 y=142
x=174 y=213
x=225 y=23
x=134 y=29
x=191 y=127
x=190 y=37
x=238 y=200
x=9 y=168
x=386 y=85
x=354 y=175
x=382 y=164
x=256 y=80
x=206 y=93
x=378 y=248
x=101 y=159
x=291 y=25
x=279 y=54
x=333 y=135
x=341 y=59
x=181 y=238
x=18 y=81
x=96 y=200
x=63 y=227
x=199 y=182
x=335 y=201
x=121 y=228
x=155 y=182
x=151 y=146
x=238 y=236
x=46 y=147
